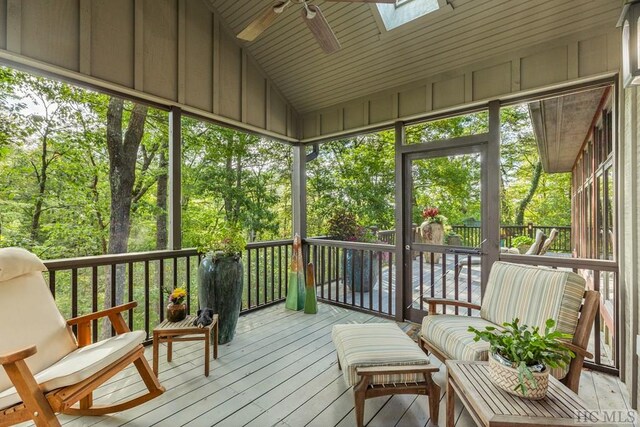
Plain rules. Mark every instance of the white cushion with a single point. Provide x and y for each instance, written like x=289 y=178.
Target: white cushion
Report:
x=15 y=262
x=79 y=365
x=29 y=316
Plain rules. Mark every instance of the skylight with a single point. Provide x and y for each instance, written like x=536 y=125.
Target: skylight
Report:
x=403 y=11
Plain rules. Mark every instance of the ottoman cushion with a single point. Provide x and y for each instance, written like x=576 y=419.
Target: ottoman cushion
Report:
x=376 y=344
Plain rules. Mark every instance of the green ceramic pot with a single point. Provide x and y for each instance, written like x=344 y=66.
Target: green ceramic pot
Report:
x=220 y=283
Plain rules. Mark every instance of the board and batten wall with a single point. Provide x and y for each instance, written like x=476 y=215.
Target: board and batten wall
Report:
x=539 y=67
x=629 y=234
x=171 y=52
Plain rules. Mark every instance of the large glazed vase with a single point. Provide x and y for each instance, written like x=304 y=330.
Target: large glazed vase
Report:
x=361 y=272
x=220 y=286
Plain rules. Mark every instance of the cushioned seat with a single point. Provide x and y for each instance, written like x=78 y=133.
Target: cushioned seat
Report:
x=79 y=365
x=531 y=294
x=374 y=345
x=450 y=334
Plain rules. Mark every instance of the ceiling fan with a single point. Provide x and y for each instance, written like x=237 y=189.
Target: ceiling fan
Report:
x=311 y=14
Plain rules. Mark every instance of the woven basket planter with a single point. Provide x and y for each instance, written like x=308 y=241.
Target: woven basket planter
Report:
x=506 y=378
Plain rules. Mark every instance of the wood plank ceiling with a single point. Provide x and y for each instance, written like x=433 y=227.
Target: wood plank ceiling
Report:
x=373 y=59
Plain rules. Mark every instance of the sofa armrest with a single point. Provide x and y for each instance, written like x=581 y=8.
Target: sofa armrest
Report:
x=579 y=351
x=433 y=302
x=21 y=354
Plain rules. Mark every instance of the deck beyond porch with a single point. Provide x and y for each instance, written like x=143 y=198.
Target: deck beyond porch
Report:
x=281 y=370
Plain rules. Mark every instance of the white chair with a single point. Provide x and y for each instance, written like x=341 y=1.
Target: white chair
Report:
x=46 y=368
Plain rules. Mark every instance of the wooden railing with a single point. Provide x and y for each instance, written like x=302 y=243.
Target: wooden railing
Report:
x=471 y=235
x=356 y=275
x=81 y=285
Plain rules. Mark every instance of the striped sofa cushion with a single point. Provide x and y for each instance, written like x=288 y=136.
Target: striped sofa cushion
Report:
x=533 y=294
x=448 y=333
x=376 y=344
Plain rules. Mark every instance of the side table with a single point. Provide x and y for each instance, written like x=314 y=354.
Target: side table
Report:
x=185 y=330
x=490 y=406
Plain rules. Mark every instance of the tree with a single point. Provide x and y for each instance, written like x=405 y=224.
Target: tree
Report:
x=123 y=153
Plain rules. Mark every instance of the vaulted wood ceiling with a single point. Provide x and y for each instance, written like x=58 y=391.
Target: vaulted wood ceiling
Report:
x=373 y=60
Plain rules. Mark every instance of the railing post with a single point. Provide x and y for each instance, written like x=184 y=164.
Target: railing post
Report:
x=299 y=190
x=530 y=229
x=491 y=195
x=402 y=236
x=175 y=178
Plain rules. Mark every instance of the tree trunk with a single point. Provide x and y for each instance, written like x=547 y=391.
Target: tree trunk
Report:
x=123 y=151
x=41 y=175
x=161 y=203
x=522 y=206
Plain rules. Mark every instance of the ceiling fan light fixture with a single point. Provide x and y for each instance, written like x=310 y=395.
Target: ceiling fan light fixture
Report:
x=310 y=14
x=279 y=7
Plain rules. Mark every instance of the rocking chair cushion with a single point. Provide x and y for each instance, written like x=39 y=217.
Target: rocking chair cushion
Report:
x=79 y=365
x=31 y=318
x=15 y=262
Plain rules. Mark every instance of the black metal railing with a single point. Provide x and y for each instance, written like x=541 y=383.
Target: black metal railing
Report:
x=440 y=274
x=88 y=284
x=356 y=275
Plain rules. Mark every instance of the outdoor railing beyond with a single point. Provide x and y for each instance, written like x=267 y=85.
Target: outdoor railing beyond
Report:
x=79 y=284
x=356 y=275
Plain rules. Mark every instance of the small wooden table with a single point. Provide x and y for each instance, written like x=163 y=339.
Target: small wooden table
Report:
x=490 y=406
x=185 y=330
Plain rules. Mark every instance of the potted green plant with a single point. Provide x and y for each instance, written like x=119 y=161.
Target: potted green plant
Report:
x=361 y=271
x=520 y=357
x=220 y=276
x=522 y=243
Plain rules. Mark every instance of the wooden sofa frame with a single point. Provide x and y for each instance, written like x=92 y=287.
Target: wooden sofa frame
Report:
x=578 y=344
x=41 y=407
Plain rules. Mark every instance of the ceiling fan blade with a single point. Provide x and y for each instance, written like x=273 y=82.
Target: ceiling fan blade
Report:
x=364 y=1
x=320 y=29
x=262 y=22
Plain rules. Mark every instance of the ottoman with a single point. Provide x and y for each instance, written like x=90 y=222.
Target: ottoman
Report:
x=379 y=359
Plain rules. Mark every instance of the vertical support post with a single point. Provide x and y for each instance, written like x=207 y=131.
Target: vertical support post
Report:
x=403 y=236
x=491 y=195
x=175 y=178
x=299 y=190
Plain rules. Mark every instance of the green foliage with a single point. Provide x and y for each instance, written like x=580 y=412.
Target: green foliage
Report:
x=525 y=347
x=343 y=225
x=551 y=202
x=226 y=238
x=522 y=240
x=356 y=174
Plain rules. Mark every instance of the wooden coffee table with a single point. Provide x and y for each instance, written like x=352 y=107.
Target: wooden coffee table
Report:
x=490 y=406
x=185 y=330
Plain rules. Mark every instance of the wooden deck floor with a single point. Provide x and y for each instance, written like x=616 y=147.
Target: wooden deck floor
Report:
x=281 y=370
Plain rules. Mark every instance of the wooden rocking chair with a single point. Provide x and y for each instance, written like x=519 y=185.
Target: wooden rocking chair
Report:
x=47 y=369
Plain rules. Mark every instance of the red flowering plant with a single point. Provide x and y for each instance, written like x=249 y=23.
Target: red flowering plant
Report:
x=432 y=216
